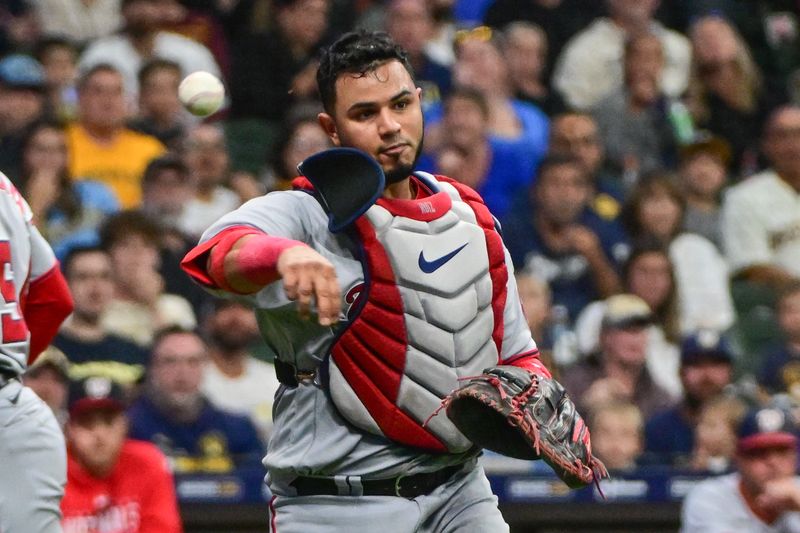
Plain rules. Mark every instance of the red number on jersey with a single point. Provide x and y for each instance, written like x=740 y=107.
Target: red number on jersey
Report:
x=14 y=327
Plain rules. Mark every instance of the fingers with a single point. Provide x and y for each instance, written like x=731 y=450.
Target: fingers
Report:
x=314 y=280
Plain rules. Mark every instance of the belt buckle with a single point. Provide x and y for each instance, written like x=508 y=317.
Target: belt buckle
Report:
x=397 y=488
x=305 y=377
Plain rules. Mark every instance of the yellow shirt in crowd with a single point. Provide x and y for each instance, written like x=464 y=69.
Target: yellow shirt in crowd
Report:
x=120 y=165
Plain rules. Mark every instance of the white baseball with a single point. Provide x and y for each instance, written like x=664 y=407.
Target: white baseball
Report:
x=201 y=93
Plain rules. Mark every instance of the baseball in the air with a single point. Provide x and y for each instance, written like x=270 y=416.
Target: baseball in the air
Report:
x=201 y=93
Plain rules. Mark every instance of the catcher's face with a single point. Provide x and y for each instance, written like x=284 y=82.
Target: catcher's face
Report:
x=379 y=113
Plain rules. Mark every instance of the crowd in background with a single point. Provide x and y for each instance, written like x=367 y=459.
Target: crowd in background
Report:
x=642 y=157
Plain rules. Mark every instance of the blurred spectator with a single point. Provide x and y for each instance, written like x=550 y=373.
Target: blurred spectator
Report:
x=233 y=379
x=480 y=64
x=536 y=300
x=764 y=493
x=202 y=21
x=440 y=45
x=647 y=274
x=173 y=413
x=301 y=137
x=771 y=28
x=113 y=483
x=20 y=28
x=576 y=134
x=67 y=212
x=780 y=371
x=100 y=146
x=91 y=348
x=271 y=70
x=59 y=59
x=552 y=233
x=140 y=306
x=48 y=377
x=715 y=434
x=141 y=39
x=632 y=119
x=617 y=435
x=726 y=93
x=591 y=64
x=760 y=216
x=487 y=165
x=160 y=112
x=655 y=210
x=703 y=173
x=166 y=189
x=410 y=24
x=78 y=20
x=206 y=156
x=525 y=49
x=23 y=101
x=706 y=368
x=617 y=372
x=560 y=19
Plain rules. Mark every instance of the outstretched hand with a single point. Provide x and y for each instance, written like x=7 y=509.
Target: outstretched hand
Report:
x=306 y=274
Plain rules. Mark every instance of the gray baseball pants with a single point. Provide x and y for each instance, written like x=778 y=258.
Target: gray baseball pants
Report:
x=33 y=463
x=465 y=504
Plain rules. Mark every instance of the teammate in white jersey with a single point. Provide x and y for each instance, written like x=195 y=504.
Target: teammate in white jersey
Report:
x=411 y=294
x=763 y=496
x=35 y=300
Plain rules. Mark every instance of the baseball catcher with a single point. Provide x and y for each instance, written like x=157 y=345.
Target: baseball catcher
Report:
x=517 y=412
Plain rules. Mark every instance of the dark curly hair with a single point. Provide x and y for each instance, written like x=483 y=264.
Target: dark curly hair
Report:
x=358 y=52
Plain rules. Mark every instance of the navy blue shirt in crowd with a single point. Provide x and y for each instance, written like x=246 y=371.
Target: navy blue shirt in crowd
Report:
x=567 y=274
x=112 y=356
x=216 y=442
x=668 y=437
x=781 y=369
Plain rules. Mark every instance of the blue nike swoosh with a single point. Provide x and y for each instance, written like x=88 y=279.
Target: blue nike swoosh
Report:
x=432 y=266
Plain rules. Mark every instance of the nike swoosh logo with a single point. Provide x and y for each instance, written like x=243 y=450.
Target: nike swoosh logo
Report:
x=432 y=266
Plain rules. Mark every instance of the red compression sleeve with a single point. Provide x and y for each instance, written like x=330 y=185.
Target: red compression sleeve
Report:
x=256 y=259
x=46 y=305
x=529 y=361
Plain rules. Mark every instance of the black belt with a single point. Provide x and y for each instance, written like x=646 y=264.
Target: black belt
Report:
x=289 y=375
x=404 y=486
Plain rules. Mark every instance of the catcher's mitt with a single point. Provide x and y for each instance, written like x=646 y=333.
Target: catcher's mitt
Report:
x=520 y=414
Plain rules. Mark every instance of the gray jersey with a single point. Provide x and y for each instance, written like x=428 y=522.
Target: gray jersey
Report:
x=717 y=506
x=310 y=437
x=24 y=256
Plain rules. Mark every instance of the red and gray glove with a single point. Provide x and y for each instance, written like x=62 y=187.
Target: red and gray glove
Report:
x=517 y=413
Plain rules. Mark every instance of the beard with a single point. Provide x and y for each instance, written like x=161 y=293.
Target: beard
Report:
x=232 y=341
x=402 y=171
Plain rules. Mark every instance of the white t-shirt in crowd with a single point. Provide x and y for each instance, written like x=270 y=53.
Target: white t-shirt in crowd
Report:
x=251 y=394
x=591 y=64
x=761 y=223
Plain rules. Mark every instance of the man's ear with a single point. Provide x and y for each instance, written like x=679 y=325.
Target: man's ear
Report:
x=329 y=125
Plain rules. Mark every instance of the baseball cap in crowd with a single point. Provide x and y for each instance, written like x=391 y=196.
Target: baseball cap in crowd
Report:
x=626 y=310
x=705 y=142
x=53 y=358
x=19 y=71
x=95 y=392
x=705 y=345
x=767 y=427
